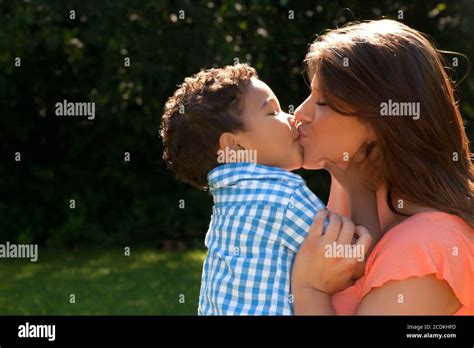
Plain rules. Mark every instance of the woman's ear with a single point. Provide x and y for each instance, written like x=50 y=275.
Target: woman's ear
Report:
x=371 y=137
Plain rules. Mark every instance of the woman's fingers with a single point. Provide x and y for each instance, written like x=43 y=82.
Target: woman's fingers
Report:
x=317 y=226
x=363 y=152
x=332 y=168
x=359 y=158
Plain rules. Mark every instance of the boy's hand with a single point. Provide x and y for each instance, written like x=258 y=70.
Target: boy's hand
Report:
x=316 y=268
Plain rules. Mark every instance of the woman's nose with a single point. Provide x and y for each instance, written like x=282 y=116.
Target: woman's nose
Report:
x=302 y=114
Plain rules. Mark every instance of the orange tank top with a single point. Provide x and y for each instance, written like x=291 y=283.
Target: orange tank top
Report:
x=426 y=243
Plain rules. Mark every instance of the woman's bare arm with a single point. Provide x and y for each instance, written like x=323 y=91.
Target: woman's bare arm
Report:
x=361 y=207
x=425 y=295
x=351 y=195
x=364 y=212
x=338 y=201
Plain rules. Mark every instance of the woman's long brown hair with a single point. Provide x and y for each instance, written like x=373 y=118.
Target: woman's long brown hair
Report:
x=424 y=159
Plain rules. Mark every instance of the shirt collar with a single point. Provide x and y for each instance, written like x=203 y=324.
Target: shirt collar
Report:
x=230 y=174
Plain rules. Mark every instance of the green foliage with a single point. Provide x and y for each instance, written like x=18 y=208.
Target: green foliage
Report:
x=103 y=283
x=83 y=60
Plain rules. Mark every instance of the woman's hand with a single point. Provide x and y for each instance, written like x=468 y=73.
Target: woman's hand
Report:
x=354 y=177
x=318 y=265
x=362 y=193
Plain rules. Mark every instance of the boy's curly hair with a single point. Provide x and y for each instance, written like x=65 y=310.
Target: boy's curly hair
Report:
x=202 y=108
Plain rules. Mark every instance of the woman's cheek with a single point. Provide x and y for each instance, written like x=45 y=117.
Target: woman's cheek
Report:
x=333 y=149
x=337 y=139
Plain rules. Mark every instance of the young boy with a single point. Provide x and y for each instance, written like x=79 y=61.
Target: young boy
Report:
x=223 y=130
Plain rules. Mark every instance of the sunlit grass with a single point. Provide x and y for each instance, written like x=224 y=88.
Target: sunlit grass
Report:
x=147 y=282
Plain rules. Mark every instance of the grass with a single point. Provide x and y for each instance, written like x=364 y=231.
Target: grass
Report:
x=147 y=282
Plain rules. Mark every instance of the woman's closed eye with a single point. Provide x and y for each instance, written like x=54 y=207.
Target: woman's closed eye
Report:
x=273 y=113
x=320 y=103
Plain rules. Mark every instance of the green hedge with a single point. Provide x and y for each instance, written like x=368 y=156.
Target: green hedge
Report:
x=82 y=59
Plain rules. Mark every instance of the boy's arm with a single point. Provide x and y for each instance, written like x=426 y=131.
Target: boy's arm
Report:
x=299 y=216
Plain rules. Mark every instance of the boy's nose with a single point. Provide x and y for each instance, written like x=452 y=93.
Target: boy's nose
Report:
x=291 y=120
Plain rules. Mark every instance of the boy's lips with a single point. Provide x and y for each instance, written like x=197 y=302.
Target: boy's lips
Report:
x=296 y=135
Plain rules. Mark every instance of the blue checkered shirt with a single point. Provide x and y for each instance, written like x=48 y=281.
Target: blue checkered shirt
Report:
x=260 y=217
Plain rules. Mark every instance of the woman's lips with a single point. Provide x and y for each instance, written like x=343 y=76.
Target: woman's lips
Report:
x=303 y=135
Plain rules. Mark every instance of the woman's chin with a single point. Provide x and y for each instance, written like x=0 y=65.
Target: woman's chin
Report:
x=310 y=161
x=312 y=165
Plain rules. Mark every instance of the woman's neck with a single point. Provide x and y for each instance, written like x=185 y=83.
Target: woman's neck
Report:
x=389 y=219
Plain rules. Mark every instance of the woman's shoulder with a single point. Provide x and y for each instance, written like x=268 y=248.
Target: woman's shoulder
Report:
x=427 y=243
x=428 y=229
x=425 y=238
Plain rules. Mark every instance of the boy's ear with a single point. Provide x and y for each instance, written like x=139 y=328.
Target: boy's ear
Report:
x=227 y=140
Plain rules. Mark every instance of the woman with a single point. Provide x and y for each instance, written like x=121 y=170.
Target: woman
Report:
x=383 y=83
